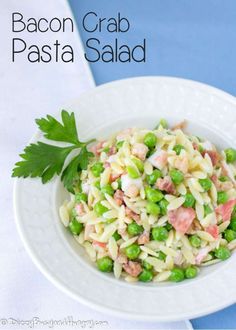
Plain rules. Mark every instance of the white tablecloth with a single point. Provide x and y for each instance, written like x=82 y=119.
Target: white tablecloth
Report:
x=29 y=91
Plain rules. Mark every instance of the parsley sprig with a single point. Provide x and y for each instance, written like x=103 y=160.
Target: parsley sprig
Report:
x=46 y=160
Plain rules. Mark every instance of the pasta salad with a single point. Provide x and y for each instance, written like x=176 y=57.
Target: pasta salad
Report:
x=155 y=205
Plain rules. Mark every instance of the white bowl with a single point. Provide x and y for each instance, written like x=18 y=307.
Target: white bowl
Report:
x=211 y=113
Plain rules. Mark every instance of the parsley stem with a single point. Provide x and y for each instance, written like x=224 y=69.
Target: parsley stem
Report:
x=90 y=141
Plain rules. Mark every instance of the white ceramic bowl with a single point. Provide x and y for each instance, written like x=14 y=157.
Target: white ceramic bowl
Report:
x=211 y=113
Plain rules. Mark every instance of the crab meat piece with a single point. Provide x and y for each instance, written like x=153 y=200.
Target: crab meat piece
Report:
x=140 y=150
x=132 y=191
x=79 y=209
x=126 y=182
x=88 y=229
x=159 y=159
x=181 y=163
x=119 y=197
x=201 y=255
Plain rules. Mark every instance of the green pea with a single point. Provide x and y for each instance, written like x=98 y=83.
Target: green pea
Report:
x=119 y=144
x=205 y=183
x=150 y=140
x=134 y=229
x=189 y=200
x=229 y=235
x=230 y=154
x=100 y=209
x=191 y=272
x=222 y=197
x=116 y=236
x=138 y=163
x=200 y=148
x=105 y=264
x=79 y=197
x=176 y=176
x=177 y=275
x=106 y=149
x=163 y=123
x=233 y=224
x=119 y=183
x=163 y=206
x=160 y=234
x=168 y=226
x=222 y=253
x=145 y=276
x=107 y=189
x=97 y=185
x=146 y=265
x=153 y=208
x=153 y=195
x=75 y=227
x=212 y=253
x=110 y=220
x=152 y=178
x=132 y=172
x=161 y=255
x=177 y=148
x=132 y=251
x=97 y=169
x=223 y=178
x=150 y=152
x=74 y=213
x=77 y=186
x=207 y=210
x=195 y=241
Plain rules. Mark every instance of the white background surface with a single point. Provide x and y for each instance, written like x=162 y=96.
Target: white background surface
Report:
x=24 y=292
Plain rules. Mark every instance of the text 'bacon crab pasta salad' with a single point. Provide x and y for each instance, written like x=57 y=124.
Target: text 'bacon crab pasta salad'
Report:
x=155 y=205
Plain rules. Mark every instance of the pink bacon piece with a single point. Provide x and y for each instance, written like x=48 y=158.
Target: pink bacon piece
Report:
x=114 y=177
x=226 y=209
x=112 y=151
x=133 y=268
x=132 y=215
x=215 y=157
x=221 y=186
x=165 y=184
x=143 y=238
x=182 y=218
x=99 y=244
x=213 y=230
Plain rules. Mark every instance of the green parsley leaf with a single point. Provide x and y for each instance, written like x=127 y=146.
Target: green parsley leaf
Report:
x=54 y=130
x=78 y=163
x=84 y=158
x=41 y=160
x=46 y=160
